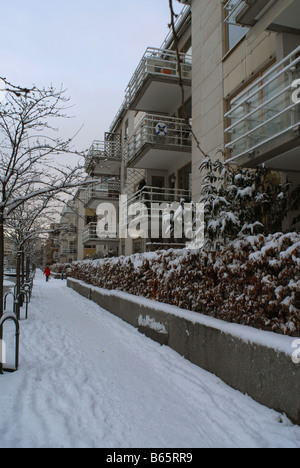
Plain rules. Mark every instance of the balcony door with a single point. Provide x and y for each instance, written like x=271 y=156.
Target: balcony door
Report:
x=184 y=177
x=158 y=184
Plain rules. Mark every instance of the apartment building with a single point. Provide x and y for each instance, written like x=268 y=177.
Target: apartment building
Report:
x=155 y=140
x=103 y=166
x=239 y=61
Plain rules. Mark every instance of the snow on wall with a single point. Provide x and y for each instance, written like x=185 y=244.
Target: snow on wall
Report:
x=252 y=281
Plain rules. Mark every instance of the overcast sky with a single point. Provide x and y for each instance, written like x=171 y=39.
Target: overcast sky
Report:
x=92 y=47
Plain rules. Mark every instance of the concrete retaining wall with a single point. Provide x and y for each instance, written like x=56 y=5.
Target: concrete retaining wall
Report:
x=255 y=362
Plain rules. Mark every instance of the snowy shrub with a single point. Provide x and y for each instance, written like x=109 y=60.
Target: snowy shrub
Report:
x=65 y=268
x=240 y=202
x=254 y=280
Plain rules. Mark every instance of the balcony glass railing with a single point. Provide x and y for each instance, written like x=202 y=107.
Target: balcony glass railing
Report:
x=158 y=63
x=159 y=131
x=265 y=110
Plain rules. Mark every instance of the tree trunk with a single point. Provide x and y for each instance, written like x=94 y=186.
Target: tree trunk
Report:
x=1 y=281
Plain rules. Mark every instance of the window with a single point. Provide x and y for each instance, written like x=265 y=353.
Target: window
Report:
x=137 y=246
x=188 y=110
x=184 y=177
x=187 y=49
x=234 y=32
x=126 y=130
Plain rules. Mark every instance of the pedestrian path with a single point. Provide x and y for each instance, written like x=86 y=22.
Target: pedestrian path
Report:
x=87 y=379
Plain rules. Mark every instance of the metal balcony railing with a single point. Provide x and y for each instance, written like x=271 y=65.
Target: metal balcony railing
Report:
x=68 y=251
x=265 y=110
x=110 y=188
x=157 y=63
x=90 y=234
x=159 y=131
x=107 y=150
x=150 y=195
x=154 y=200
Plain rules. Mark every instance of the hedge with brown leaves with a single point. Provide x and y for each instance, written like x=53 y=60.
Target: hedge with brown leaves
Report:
x=254 y=281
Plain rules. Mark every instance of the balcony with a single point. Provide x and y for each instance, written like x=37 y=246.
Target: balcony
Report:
x=279 y=15
x=69 y=210
x=264 y=120
x=148 y=195
x=104 y=157
x=108 y=189
x=154 y=86
x=159 y=142
x=90 y=236
x=158 y=203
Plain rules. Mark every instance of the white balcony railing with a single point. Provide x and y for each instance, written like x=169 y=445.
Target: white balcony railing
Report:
x=150 y=195
x=157 y=63
x=159 y=131
x=155 y=200
x=109 y=188
x=265 y=111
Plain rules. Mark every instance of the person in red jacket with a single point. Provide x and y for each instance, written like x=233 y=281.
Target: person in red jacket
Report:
x=47 y=273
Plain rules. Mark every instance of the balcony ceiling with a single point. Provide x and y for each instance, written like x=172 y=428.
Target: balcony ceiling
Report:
x=289 y=161
x=105 y=168
x=287 y=21
x=279 y=157
x=159 y=96
x=161 y=159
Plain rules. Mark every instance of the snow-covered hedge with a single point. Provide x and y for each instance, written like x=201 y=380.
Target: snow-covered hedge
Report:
x=65 y=268
x=254 y=281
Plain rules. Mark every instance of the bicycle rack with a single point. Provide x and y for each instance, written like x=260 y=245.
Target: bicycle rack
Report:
x=20 y=298
x=3 y=320
x=18 y=301
x=27 y=287
x=5 y=300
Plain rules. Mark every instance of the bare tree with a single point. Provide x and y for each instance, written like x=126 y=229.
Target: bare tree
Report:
x=31 y=154
x=172 y=26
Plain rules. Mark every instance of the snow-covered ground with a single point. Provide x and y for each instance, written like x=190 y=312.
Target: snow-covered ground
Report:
x=87 y=379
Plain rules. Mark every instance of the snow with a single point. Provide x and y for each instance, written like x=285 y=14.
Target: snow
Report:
x=88 y=379
x=8 y=284
x=152 y=323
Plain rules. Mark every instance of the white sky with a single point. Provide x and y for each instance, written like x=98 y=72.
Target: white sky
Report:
x=91 y=47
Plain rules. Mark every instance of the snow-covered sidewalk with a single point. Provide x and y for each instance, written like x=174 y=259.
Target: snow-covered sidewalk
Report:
x=87 y=379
